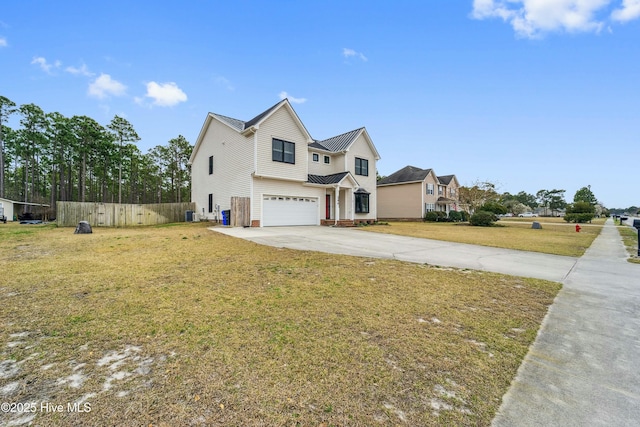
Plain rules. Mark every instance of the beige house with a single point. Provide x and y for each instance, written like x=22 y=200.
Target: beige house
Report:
x=289 y=177
x=411 y=192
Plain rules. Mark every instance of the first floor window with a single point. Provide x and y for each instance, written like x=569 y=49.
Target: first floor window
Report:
x=429 y=207
x=362 y=166
x=210 y=203
x=362 y=203
x=283 y=151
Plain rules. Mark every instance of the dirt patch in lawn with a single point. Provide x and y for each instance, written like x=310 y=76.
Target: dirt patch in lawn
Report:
x=183 y=326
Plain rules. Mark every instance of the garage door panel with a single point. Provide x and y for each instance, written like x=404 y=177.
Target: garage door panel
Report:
x=289 y=210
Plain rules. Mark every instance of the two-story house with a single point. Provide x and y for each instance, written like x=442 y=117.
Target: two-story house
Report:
x=411 y=192
x=289 y=177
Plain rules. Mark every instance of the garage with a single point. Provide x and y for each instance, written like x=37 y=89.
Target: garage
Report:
x=289 y=210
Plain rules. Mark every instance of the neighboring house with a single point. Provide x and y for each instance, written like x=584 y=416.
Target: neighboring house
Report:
x=289 y=177
x=411 y=192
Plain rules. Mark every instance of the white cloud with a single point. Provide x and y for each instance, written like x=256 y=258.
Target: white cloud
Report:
x=105 y=86
x=285 y=95
x=630 y=10
x=348 y=53
x=44 y=65
x=534 y=18
x=165 y=94
x=83 y=70
x=3 y=42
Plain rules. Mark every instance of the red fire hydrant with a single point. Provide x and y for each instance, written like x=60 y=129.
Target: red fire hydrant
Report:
x=577 y=228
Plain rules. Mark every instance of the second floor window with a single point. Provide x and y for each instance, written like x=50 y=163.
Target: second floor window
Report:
x=210 y=165
x=429 y=188
x=327 y=160
x=283 y=151
x=362 y=166
x=316 y=157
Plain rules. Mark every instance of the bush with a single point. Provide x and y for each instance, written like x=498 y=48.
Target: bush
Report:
x=578 y=217
x=483 y=219
x=455 y=216
x=435 y=216
x=580 y=212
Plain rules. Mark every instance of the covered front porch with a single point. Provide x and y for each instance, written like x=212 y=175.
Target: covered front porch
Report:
x=338 y=204
x=444 y=204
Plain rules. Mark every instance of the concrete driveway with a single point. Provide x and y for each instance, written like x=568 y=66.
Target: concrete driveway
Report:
x=357 y=242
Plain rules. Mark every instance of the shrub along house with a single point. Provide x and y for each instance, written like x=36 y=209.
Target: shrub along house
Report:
x=411 y=192
x=284 y=175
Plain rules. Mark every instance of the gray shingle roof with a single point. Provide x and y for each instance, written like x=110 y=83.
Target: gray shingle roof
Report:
x=337 y=143
x=446 y=179
x=326 y=179
x=234 y=123
x=406 y=174
x=241 y=125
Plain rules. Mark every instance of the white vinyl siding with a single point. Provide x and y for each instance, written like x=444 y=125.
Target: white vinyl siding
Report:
x=231 y=177
x=282 y=125
x=361 y=149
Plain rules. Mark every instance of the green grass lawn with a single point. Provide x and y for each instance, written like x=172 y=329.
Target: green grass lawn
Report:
x=183 y=326
x=556 y=237
x=630 y=238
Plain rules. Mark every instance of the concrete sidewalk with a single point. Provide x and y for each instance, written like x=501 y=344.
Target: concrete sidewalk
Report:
x=353 y=241
x=584 y=367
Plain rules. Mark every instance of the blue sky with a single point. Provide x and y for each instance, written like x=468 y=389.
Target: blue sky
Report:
x=531 y=94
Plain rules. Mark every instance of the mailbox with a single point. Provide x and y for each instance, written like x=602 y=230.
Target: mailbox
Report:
x=636 y=223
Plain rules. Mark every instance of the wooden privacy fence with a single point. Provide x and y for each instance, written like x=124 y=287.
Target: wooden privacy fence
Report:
x=240 y=212
x=69 y=214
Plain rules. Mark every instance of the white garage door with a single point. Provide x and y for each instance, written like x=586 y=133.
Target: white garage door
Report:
x=287 y=210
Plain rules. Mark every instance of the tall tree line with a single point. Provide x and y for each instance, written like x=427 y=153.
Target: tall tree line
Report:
x=51 y=158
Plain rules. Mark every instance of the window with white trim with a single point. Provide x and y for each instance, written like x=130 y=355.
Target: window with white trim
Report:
x=316 y=157
x=429 y=188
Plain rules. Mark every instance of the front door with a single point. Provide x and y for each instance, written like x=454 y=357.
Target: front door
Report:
x=328 y=203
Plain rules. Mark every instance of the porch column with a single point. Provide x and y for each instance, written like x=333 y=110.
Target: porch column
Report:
x=352 y=203
x=336 y=210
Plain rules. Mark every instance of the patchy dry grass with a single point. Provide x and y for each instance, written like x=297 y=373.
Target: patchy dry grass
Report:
x=630 y=239
x=556 y=237
x=182 y=326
